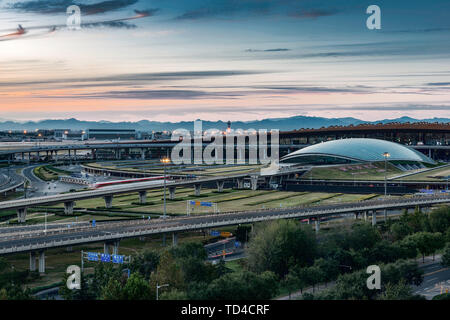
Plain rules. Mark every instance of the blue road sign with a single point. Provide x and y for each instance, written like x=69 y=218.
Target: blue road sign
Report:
x=93 y=223
x=206 y=204
x=106 y=257
x=117 y=258
x=215 y=233
x=92 y=256
x=237 y=244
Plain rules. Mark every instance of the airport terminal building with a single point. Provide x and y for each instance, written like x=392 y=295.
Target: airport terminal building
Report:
x=358 y=150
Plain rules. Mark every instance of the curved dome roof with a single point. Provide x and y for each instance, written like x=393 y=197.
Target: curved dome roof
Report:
x=360 y=149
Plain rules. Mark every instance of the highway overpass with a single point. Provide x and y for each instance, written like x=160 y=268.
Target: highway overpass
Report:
x=108 y=193
x=36 y=241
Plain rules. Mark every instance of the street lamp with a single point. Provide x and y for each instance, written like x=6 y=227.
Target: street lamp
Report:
x=164 y=161
x=386 y=155
x=158 y=287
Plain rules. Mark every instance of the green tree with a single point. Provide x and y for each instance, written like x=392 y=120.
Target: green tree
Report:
x=174 y=294
x=426 y=242
x=329 y=269
x=418 y=221
x=278 y=245
x=137 y=288
x=440 y=219
x=113 y=290
x=363 y=235
x=244 y=285
x=397 y=291
x=400 y=230
x=290 y=282
x=168 y=272
x=402 y=270
x=446 y=256
x=145 y=262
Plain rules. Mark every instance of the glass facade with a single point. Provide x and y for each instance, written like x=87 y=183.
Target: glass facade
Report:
x=354 y=150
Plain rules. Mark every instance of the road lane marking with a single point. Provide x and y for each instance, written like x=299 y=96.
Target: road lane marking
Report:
x=430 y=273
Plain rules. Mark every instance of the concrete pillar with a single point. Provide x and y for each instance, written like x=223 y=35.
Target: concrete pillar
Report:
x=374 y=217
x=106 y=248
x=172 y=193
x=142 y=197
x=21 y=214
x=356 y=215
x=32 y=261
x=240 y=183
x=29 y=157
x=115 y=245
x=42 y=261
x=68 y=207
x=198 y=188
x=143 y=154
x=254 y=182
x=220 y=185
x=317 y=224
x=365 y=215
x=108 y=201
x=174 y=239
x=385 y=215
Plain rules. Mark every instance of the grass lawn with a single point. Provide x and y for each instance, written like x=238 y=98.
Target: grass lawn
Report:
x=373 y=171
x=432 y=175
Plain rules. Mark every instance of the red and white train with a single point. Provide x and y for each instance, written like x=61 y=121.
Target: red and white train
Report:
x=119 y=182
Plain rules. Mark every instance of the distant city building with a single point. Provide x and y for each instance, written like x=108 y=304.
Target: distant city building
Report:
x=110 y=134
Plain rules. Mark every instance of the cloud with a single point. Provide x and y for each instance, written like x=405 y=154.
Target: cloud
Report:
x=313 y=13
x=60 y=6
x=438 y=84
x=268 y=50
x=110 y=24
x=246 y=8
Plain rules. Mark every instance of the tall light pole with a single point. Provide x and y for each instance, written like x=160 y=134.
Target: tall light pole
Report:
x=157 y=289
x=164 y=162
x=386 y=156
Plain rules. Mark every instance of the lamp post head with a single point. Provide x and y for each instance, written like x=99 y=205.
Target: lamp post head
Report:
x=386 y=154
x=165 y=160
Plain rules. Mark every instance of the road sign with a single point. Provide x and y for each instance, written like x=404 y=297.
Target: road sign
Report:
x=215 y=233
x=206 y=204
x=226 y=234
x=93 y=223
x=105 y=257
x=237 y=244
x=116 y=258
x=92 y=256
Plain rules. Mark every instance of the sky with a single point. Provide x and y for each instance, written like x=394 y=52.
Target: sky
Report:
x=225 y=60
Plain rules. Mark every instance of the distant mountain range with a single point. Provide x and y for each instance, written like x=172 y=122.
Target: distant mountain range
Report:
x=283 y=124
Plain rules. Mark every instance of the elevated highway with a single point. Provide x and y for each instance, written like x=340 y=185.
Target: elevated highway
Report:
x=108 y=192
x=36 y=240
